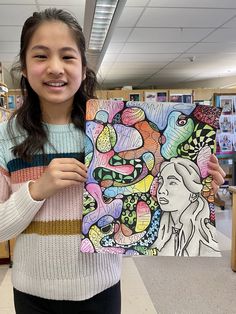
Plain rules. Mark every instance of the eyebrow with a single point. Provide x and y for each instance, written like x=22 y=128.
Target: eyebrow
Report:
x=173 y=177
x=42 y=47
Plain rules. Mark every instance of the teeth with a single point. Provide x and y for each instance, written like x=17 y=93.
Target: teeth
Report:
x=56 y=84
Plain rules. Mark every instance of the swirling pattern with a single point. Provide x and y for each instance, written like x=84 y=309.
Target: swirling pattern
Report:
x=125 y=145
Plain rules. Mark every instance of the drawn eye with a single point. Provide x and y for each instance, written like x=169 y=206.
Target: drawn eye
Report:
x=107 y=228
x=182 y=120
x=173 y=183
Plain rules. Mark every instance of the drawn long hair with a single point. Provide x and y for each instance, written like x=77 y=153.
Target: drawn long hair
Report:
x=194 y=220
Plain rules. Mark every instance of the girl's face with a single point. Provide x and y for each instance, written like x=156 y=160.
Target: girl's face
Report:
x=53 y=64
x=172 y=194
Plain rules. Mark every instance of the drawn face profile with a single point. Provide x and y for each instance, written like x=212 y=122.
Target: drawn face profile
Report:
x=172 y=194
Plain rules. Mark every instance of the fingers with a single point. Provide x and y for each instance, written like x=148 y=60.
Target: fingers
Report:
x=217 y=177
x=68 y=169
x=213 y=164
x=72 y=176
x=217 y=173
x=215 y=187
x=70 y=161
x=73 y=169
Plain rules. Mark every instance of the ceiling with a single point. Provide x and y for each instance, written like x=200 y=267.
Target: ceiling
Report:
x=152 y=44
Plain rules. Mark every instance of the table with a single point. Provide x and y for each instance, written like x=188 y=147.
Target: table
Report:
x=232 y=189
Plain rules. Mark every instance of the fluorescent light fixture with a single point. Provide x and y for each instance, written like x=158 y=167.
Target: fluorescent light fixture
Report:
x=103 y=15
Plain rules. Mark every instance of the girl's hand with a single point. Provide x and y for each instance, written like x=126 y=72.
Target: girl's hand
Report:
x=60 y=173
x=217 y=173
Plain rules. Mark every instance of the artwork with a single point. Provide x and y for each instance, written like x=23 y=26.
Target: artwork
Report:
x=134 y=97
x=150 y=96
x=227 y=124
x=148 y=190
x=176 y=98
x=19 y=101
x=4 y=114
x=11 y=102
x=1 y=101
x=226 y=143
x=226 y=103
x=187 y=99
x=161 y=96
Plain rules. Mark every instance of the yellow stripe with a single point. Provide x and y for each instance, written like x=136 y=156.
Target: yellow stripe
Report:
x=58 y=227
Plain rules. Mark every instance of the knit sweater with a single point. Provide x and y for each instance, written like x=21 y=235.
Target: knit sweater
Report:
x=47 y=261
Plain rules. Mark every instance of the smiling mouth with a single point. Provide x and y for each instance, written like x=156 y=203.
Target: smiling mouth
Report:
x=163 y=201
x=55 y=84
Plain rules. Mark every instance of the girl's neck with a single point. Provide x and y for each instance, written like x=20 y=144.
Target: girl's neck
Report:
x=56 y=115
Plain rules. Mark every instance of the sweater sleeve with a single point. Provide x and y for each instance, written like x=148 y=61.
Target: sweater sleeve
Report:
x=17 y=209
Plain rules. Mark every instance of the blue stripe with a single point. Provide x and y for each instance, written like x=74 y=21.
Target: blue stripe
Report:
x=41 y=160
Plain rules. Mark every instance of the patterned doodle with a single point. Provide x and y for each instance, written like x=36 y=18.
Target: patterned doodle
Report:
x=148 y=190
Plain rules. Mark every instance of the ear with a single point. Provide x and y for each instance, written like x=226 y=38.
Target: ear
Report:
x=193 y=197
x=23 y=72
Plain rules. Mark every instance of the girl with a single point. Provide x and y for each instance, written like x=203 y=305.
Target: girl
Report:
x=185 y=229
x=42 y=176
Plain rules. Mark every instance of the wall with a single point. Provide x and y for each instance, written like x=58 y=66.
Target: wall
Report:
x=198 y=94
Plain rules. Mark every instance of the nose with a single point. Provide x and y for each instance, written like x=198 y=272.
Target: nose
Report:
x=55 y=66
x=162 y=190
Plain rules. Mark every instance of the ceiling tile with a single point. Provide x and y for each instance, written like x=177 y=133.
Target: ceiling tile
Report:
x=136 y=3
x=231 y=23
x=129 y=17
x=120 y=34
x=155 y=47
x=7 y=57
x=168 y=34
x=110 y=57
x=114 y=47
x=213 y=48
x=116 y=69
x=168 y=17
x=10 y=2
x=51 y=3
x=124 y=57
x=11 y=33
x=9 y=47
x=193 y=3
x=222 y=35
x=15 y=15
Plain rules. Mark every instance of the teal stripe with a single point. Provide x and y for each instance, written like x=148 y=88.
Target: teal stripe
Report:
x=41 y=160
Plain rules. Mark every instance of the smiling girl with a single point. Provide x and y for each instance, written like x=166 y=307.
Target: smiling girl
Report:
x=42 y=175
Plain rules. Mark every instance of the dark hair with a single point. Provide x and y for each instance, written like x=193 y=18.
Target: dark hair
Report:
x=28 y=116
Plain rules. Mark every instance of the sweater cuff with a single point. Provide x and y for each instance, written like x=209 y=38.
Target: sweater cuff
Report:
x=33 y=200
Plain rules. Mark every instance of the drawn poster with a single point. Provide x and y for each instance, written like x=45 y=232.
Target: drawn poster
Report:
x=4 y=114
x=11 y=102
x=226 y=143
x=226 y=103
x=148 y=190
x=150 y=96
x=134 y=97
x=161 y=96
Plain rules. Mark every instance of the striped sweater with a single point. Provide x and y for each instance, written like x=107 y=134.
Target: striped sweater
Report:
x=47 y=261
